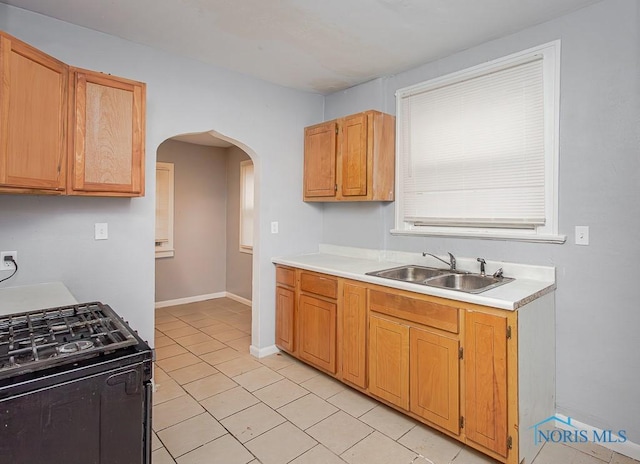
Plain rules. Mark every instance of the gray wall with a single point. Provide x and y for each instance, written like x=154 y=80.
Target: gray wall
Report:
x=200 y=217
x=239 y=266
x=597 y=312
x=54 y=236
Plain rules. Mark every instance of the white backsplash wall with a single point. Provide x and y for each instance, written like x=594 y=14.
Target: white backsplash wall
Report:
x=54 y=236
x=597 y=309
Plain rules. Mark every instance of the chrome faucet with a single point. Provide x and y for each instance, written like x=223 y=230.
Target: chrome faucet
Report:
x=482 y=264
x=451 y=263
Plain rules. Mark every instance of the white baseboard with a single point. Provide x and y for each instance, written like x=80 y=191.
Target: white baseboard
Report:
x=195 y=299
x=239 y=299
x=627 y=448
x=262 y=352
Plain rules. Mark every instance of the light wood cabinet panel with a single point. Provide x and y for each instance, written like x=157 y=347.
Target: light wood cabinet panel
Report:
x=285 y=319
x=108 y=137
x=434 y=374
x=415 y=310
x=320 y=160
x=354 y=333
x=319 y=284
x=33 y=111
x=317 y=332
x=350 y=159
x=486 y=380
x=389 y=361
x=354 y=155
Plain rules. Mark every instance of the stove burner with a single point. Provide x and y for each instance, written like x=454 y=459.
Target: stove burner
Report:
x=41 y=339
x=36 y=340
x=75 y=346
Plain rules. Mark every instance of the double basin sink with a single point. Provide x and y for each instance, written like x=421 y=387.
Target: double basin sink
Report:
x=442 y=278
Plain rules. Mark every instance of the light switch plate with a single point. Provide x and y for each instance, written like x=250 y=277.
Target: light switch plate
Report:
x=582 y=235
x=101 y=231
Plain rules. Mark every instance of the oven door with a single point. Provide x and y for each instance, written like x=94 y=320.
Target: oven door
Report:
x=97 y=419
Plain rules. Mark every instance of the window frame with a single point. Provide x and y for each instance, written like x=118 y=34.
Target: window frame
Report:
x=246 y=248
x=551 y=82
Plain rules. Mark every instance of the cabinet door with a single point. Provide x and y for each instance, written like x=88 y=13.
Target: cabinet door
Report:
x=353 y=150
x=486 y=380
x=108 y=136
x=320 y=160
x=354 y=319
x=33 y=112
x=317 y=332
x=389 y=361
x=435 y=378
x=285 y=319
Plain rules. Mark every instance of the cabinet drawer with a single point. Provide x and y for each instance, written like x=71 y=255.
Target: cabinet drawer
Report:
x=415 y=310
x=285 y=276
x=319 y=284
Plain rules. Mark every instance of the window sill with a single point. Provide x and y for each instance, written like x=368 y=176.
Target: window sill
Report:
x=557 y=239
x=164 y=254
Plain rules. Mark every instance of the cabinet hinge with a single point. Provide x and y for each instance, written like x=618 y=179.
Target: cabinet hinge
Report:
x=337 y=130
x=461 y=422
x=509 y=332
x=460 y=353
x=335 y=187
x=509 y=442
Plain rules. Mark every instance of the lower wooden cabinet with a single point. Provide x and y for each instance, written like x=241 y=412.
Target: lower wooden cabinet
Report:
x=485 y=394
x=317 y=332
x=434 y=373
x=454 y=366
x=389 y=360
x=354 y=334
x=285 y=310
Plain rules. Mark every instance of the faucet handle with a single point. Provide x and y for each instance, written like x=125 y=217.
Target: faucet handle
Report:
x=452 y=261
x=498 y=274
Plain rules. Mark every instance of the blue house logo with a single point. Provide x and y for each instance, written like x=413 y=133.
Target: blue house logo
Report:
x=546 y=431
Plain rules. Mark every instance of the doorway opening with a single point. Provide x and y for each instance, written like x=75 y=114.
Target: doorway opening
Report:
x=204 y=249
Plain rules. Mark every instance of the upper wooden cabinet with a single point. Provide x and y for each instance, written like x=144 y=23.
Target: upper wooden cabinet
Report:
x=33 y=112
x=66 y=130
x=107 y=143
x=350 y=159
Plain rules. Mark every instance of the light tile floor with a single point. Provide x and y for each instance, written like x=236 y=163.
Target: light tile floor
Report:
x=216 y=404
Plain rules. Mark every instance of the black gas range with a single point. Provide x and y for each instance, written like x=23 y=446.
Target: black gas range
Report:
x=75 y=387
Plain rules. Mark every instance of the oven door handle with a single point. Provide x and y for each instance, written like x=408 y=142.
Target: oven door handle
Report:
x=148 y=407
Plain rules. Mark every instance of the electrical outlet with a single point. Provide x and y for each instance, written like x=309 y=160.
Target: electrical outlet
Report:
x=274 y=227
x=8 y=265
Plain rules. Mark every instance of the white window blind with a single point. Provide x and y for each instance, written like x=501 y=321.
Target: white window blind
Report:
x=473 y=150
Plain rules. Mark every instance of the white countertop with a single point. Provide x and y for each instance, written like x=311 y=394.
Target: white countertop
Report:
x=33 y=297
x=531 y=282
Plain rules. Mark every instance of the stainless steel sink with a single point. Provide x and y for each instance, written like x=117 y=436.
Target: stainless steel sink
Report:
x=442 y=278
x=470 y=283
x=409 y=273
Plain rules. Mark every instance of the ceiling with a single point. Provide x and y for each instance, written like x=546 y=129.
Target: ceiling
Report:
x=318 y=46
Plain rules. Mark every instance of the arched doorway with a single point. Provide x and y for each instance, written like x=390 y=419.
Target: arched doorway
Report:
x=204 y=285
